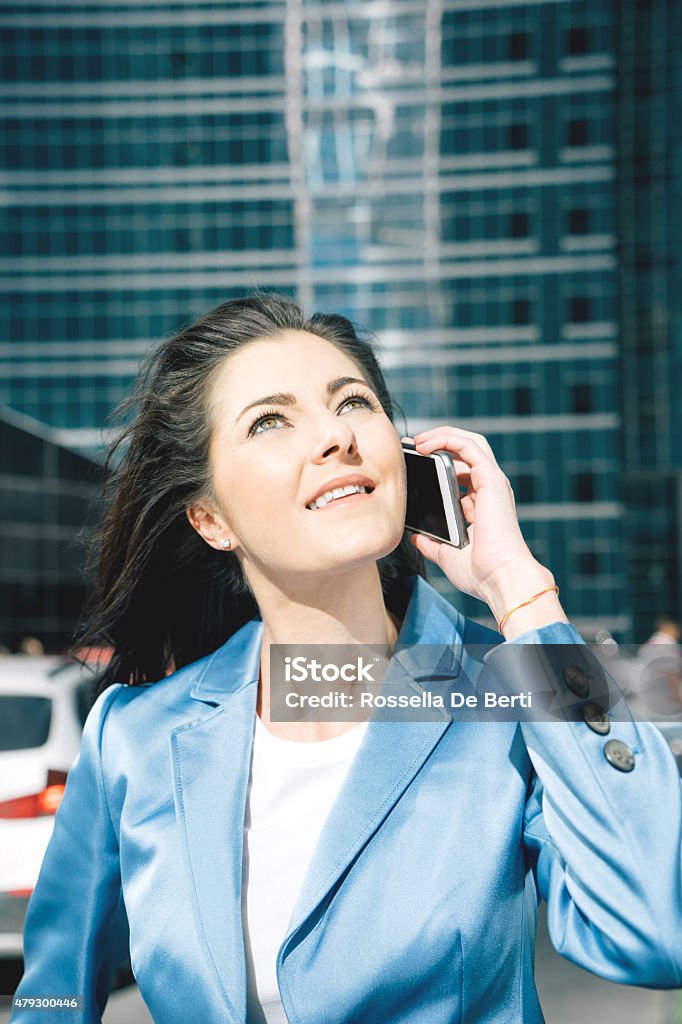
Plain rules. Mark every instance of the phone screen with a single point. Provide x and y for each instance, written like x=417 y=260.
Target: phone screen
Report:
x=424 y=502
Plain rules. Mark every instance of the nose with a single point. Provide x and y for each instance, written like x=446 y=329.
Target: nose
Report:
x=336 y=437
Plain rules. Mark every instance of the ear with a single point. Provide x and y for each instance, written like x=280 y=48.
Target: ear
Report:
x=209 y=524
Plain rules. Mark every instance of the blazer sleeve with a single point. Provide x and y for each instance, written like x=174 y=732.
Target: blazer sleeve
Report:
x=76 y=929
x=603 y=819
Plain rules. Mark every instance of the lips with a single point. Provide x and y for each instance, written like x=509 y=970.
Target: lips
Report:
x=338 y=492
x=340 y=487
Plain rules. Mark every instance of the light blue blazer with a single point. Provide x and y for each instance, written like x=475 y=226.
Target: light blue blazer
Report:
x=420 y=902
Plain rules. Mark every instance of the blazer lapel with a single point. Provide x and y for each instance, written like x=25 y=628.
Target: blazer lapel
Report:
x=211 y=759
x=427 y=657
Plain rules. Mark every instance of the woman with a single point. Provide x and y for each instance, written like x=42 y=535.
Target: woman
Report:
x=317 y=871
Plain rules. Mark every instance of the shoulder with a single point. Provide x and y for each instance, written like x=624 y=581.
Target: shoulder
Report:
x=150 y=705
x=188 y=693
x=130 y=729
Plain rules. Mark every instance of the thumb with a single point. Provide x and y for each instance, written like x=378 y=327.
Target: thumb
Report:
x=427 y=546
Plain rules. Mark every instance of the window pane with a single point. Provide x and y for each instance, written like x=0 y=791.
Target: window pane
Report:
x=581 y=398
x=518 y=136
x=523 y=486
x=24 y=722
x=519 y=224
x=518 y=45
x=523 y=400
x=577 y=132
x=579 y=312
x=587 y=563
x=521 y=311
x=577 y=40
x=584 y=486
x=578 y=221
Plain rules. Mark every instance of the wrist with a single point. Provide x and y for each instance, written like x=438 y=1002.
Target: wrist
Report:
x=516 y=584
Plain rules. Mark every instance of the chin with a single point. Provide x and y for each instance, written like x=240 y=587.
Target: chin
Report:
x=362 y=550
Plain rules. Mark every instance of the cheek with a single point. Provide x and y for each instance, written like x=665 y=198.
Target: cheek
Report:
x=258 y=486
x=394 y=461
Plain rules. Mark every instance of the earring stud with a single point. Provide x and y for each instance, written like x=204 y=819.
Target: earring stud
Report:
x=225 y=542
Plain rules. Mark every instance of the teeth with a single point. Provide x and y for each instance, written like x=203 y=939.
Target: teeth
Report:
x=338 y=492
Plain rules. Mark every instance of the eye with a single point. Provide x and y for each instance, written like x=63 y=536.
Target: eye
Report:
x=271 y=419
x=259 y=425
x=357 y=401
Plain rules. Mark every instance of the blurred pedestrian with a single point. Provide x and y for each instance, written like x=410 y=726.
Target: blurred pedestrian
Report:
x=31 y=645
x=666 y=631
x=660 y=684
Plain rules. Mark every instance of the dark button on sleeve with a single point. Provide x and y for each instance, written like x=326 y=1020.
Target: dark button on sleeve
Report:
x=595 y=716
x=577 y=681
x=619 y=755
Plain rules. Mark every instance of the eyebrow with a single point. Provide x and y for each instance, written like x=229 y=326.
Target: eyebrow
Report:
x=286 y=398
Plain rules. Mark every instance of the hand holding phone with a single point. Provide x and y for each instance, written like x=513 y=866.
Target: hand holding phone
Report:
x=497 y=566
x=433 y=503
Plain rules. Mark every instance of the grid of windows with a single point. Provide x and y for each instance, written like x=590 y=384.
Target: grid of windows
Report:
x=489 y=36
x=586 y=29
x=63 y=401
x=79 y=143
x=587 y=210
x=586 y=121
x=88 y=229
x=493 y=126
x=488 y=215
x=90 y=53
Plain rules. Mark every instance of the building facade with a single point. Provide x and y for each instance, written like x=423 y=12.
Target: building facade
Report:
x=448 y=174
x=46 y=506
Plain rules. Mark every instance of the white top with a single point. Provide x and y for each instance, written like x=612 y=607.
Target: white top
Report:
x=292 y=786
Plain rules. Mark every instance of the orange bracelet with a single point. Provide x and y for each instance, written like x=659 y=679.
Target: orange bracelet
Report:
x=523 y=605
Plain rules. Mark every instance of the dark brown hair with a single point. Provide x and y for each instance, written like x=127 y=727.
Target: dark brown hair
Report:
x=161 y=597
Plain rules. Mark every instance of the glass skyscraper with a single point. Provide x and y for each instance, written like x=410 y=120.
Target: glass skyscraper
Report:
x=448 y=174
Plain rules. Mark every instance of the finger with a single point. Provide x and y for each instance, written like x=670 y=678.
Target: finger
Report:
x=447 y=427
x=460 y=468
x=468 y=503
x=452 y=440
x=478 y=462
x=426 y=546
x=479 y=439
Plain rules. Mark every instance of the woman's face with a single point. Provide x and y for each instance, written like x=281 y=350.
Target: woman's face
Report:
x=293 y=420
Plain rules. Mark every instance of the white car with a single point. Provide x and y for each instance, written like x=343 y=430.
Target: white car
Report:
x=43 y=704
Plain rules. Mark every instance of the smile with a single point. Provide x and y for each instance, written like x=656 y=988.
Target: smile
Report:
x=329 y=497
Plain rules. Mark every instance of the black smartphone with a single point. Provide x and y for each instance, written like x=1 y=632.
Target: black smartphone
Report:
x=433 y=504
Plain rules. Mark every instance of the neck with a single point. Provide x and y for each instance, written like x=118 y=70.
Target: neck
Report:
x=346 y=608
